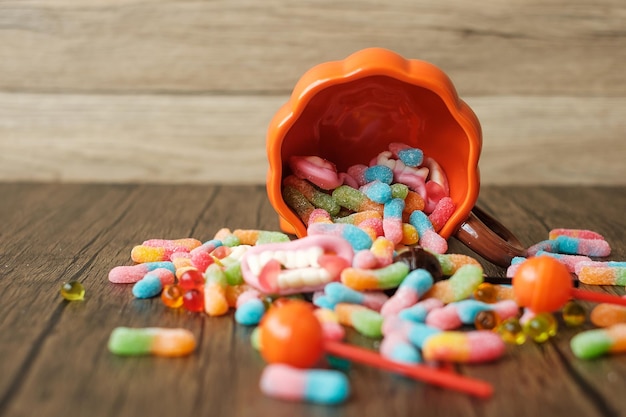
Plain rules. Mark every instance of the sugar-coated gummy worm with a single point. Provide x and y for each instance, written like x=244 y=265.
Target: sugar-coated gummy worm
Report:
x=474 y=346
x=259 y=237
x=187 y=243
x=316 y=197
x=442 y=213
x=418 y=312
x=410 y=290
x=377 y=191
x=215 y=300
x=375 y=279
x=392 y=220
x=133 y=273
x=155 y=250
x=337 y=292
x=602 y=273
x=383 y=250
x=580 y=233
x=598 y=342
x=606 y=315
x=149 y=286
x=414 y=332
x=298 y=202
x=364 y=320
x=396 y=347
x=572 y=246
x=459 y=286
x=458 y=313
x=157 y=341
x=428 y=238
x=319 y=386
x=570 y=261
x=354 y=200
x=357 y=237
x=331 y=328
x=451 y=262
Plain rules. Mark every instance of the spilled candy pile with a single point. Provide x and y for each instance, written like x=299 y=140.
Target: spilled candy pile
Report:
x=423 y=308
x=372 y=261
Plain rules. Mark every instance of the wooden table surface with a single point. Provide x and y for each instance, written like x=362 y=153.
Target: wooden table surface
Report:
x=54 y=359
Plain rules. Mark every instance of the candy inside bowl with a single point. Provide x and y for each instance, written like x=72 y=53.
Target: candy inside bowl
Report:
x=348 y=112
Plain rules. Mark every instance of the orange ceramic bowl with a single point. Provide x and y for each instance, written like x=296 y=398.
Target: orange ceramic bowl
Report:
x=349 y=111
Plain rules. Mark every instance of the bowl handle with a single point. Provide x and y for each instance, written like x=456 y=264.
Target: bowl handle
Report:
x=489 y=238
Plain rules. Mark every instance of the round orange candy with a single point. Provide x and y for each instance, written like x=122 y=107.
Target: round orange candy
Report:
x=543 y=284
x=291 y=334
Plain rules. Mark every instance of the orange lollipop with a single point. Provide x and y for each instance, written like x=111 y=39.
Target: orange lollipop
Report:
x=291 y=334
x=543 y=284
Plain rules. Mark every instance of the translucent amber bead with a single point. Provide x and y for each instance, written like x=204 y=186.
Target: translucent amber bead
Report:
x=487 y=320
x=172 y=296
x=541 y=327
x=486 y=293
x=73 y=291
x=574 y=314
x=511 y=331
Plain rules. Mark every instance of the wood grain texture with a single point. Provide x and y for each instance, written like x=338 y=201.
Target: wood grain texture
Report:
x=183 y=139
x=53 y=354
x=523 y=47
x=176 y=90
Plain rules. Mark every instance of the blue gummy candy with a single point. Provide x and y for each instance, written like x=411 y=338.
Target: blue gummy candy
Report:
x=151 y=266
x=148 y=287
x=419 y=333
x=381 y=173
x=323 y=301
x=416 y=314
x=339 y=293
x=405 y=353
x=420 y=280
x=421 y=222
x=393 y=209
x=250 y=313
x=377 y=191
x=467 y=310
x=411 y=157
x=326 y=386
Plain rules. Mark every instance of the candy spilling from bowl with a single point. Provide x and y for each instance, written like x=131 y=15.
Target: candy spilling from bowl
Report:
x=371 y=157
x=399 y=195
x=372 y=110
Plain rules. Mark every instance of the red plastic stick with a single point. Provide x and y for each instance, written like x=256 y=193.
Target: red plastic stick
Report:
x=598 y=297
x=424 y=373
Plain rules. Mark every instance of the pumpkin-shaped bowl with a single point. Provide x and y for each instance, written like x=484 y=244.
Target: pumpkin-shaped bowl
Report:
x=348 y=111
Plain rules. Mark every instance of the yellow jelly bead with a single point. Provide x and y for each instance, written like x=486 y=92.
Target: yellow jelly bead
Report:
x=541 y=327
x=510 y=330
x=574 y=314
x=486 y=293
x=73 y=291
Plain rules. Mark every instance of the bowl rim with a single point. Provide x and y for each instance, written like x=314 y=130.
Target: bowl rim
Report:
x=365 y=63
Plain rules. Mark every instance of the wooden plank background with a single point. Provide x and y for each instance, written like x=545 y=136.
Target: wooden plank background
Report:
x=176 y=91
